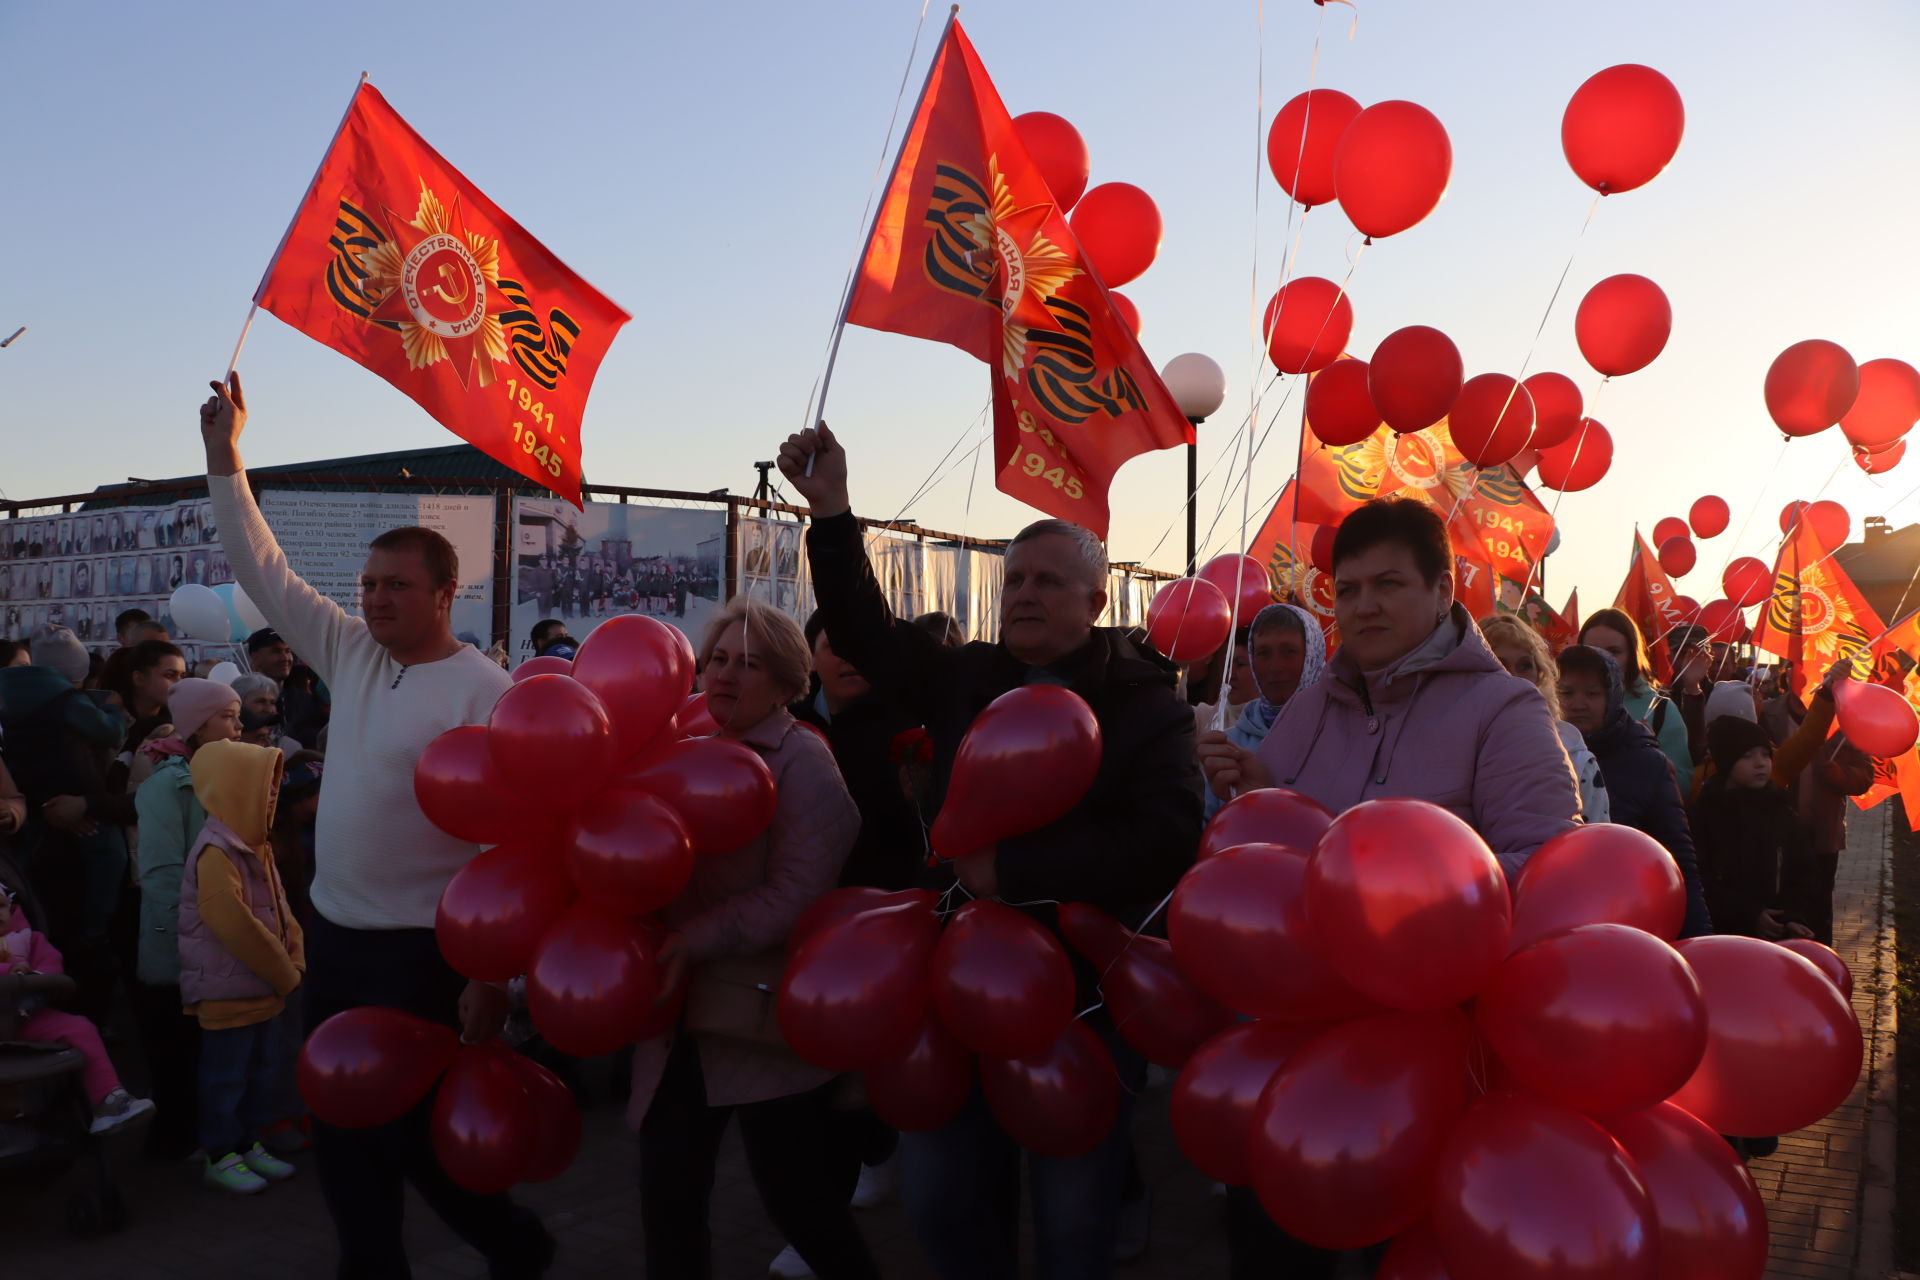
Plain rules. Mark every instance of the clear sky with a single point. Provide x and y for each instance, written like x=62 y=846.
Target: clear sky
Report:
x=706 y=166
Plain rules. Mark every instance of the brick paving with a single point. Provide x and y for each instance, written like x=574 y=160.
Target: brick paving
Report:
x=1828 y=1190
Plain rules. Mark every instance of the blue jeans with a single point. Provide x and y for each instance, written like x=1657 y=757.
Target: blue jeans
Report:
x=960 y=1187
x=243 y=1083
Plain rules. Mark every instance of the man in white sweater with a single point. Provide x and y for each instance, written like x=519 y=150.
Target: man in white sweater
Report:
x=399 y=679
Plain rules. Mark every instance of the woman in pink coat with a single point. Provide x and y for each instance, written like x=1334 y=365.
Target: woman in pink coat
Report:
x=686 y=1088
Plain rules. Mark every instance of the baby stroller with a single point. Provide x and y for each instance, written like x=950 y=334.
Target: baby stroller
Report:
x=44 y=1116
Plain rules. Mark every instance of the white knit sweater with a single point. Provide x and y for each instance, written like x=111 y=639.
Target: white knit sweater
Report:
x=379 y=864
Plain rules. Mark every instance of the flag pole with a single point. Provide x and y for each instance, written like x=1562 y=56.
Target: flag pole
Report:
x=287 y=235
x=817 y=406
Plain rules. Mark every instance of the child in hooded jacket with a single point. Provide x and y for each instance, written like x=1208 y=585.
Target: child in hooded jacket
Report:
x=241 y=955
x=1756 y=857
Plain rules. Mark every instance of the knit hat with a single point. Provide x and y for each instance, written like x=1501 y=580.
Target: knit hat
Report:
x=60 y=649
x=193 y=702
x=1731 y=698
x=1731 y=737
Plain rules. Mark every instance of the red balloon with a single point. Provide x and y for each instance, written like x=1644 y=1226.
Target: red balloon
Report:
x=592 y=985
x=924 y=1087
x=1790 y=515
x=855 y=992
x=628 y=851
x=556 y=1120
x=544 y=665
x=1830 y=523
x=1689 y=608
x=1876 y=719
x=693 y=719
x=552 y=741
x=1414 y=377
x=1709 y=516
x=1880 y=461
x=1188 y=619
x=1747 y=581
x=1392 y=167
x=1211 y=1108
x=1154 y=1006
x=1599 y=874
x=498 y=907
x=1826 y=960
x=1530 y=1190
x=1059 y=1102
x=462 y=793
x=368 y=1066
x=1810 y=386
x=1128 y=312
x=1118 y=226
x=1558 y=408
x=1414 y=1255
x=641 y=669
x=1723 y=620
x=1887 y=406
x=1622 y=127
x=1599 y=1017
x=1579 y=462
x=1241 y=576
x=1492 y=419
x=1239 y=930
x=1677 y=556
x=838 y=904
x=1003 y=985
x=1320 y=551
x=1307 y=325
x=1345 y=1138
x=1668 y=528
x=1783 y=1047
x=1710 y=1223
x=721 y=790
x=1303 y=139
x=1408 y=904
x=1058 y=151
x=1271 y=815
x=1025 y=762
x=483 y=1120
x=1623 y=324
x=1339 y=408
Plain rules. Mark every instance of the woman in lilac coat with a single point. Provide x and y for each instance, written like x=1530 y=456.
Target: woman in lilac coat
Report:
x=687 y=1088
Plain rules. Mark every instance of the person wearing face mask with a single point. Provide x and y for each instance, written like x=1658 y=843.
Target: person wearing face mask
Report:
x=1287 y=652
x=1523 y=653
x=688 y=1085
x=1641 y=787
x=1122 y=848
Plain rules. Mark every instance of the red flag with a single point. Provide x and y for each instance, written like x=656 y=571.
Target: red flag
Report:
x=1648 y=597
x=969 y=248
x=1565 y=629
x=397 y=261
x=1285 y=544
x=1816 y=615
x=1493 y=516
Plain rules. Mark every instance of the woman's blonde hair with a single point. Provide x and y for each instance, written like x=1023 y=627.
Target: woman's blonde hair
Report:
x=773 y=639
x=1506 y=629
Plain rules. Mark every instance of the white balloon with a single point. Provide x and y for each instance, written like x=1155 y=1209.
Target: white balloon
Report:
x=224 y=673
x=199 y=614
x=1197 y=383
x=250 y=615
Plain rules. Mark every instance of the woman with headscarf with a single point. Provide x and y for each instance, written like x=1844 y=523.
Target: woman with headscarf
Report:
x=1641 y=788
x=1287 y=652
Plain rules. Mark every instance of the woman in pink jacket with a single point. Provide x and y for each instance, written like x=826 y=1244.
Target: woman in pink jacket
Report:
x=686 y=1088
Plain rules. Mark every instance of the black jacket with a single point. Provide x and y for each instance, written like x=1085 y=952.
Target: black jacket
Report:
x=1643 y=794
x=891 y=850
x=1755 y=854
x=1128 y=841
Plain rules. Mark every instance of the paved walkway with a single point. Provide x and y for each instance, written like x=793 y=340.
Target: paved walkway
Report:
x=1829 y=1191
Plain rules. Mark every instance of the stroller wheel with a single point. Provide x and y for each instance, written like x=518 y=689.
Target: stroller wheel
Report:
x=83 y=1216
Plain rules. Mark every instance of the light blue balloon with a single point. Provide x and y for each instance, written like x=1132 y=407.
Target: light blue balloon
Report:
x=237 y=627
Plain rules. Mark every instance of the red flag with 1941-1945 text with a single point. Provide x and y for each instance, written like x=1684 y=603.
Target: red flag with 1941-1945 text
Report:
x=971 y=249
x=398 y=262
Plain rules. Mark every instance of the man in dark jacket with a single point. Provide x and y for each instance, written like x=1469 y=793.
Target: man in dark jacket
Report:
x=1122 y=848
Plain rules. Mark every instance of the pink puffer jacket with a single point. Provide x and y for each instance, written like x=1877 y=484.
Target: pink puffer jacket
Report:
x=1445 y=724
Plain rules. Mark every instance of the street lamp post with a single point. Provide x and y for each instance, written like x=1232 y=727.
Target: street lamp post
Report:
x=1199 y=386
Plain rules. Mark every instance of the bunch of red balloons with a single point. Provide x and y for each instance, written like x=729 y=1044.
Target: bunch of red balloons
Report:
x=1118 y=225
x=1516 y=1083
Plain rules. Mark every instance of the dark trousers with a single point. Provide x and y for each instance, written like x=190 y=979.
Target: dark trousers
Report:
x=803 y=1174
x=363 y=1172
x=243 y=1083
x=1820 y=910
x=171 y=1040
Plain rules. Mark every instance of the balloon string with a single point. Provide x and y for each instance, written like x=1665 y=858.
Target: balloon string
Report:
x=1201 y=483
x=935 y=476
x=1580 y=444
x=1759 y=496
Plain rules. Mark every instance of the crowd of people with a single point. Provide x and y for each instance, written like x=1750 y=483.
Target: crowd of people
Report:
x=170 y=837
x=592 y=585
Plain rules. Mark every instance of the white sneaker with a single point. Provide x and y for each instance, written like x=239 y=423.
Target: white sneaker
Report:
x=116 y=1109
x=789 y=1266
x=878 y=1184
x=266 y=1164
x=231 y=1175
